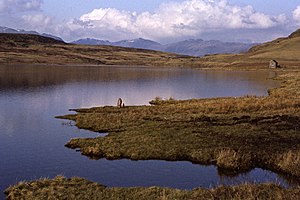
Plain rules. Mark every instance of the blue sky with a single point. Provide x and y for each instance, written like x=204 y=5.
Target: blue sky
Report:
x=164 y=21
x=78 y=7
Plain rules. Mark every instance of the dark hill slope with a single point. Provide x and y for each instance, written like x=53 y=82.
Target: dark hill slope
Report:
x=295 y=34
x=26 y=39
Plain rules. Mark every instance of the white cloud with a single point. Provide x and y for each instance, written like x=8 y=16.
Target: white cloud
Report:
x=189 y=18
x=38 y=21
x=20 y=5
x=109 y=18
x=296 y=14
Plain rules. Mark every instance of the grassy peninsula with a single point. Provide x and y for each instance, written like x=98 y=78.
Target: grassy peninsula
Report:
x=235 y=134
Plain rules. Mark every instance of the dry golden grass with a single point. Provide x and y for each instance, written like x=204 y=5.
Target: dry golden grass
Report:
x=81 y=189
x=233 y=160
x=290 y=161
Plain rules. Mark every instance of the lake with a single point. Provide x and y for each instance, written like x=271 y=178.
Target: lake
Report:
x=32 y=140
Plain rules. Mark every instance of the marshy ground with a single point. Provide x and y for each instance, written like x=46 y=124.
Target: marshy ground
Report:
x=236 y=134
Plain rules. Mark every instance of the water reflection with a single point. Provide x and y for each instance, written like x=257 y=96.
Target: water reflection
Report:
x=32 y=141
x=256 y=175
x=26 y=77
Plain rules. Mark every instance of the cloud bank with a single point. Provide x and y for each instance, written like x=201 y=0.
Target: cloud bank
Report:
x=190 y=18
x=208 y=19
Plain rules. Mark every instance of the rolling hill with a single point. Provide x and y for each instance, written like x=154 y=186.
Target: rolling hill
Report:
x=36 y=49
x=284 y=50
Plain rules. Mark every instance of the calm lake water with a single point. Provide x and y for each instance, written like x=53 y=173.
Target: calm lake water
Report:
x=32 y=140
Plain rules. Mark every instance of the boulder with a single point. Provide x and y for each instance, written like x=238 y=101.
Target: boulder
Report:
x=274 y=64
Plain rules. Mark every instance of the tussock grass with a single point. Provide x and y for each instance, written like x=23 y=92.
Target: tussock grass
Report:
x=78 y=188
x=290 y=161
x=233 y=160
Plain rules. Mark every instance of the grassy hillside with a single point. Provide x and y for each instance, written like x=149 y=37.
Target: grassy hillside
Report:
x=285 y=50
x=35 y=49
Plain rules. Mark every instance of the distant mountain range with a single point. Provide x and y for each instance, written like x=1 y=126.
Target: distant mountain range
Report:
x=190 y=47
x=136 y=43
x=20 y=31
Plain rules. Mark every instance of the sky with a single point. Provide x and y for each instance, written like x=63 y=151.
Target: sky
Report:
x=163 y=21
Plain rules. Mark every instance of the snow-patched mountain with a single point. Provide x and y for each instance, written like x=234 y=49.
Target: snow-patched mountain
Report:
x=135 y=43
x=193 y=47
x=91 y=41
x=139 y=43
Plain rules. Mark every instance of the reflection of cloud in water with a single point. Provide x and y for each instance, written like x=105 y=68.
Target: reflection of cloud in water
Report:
x=7 y=126
x=1 y=120
x=99 y=94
